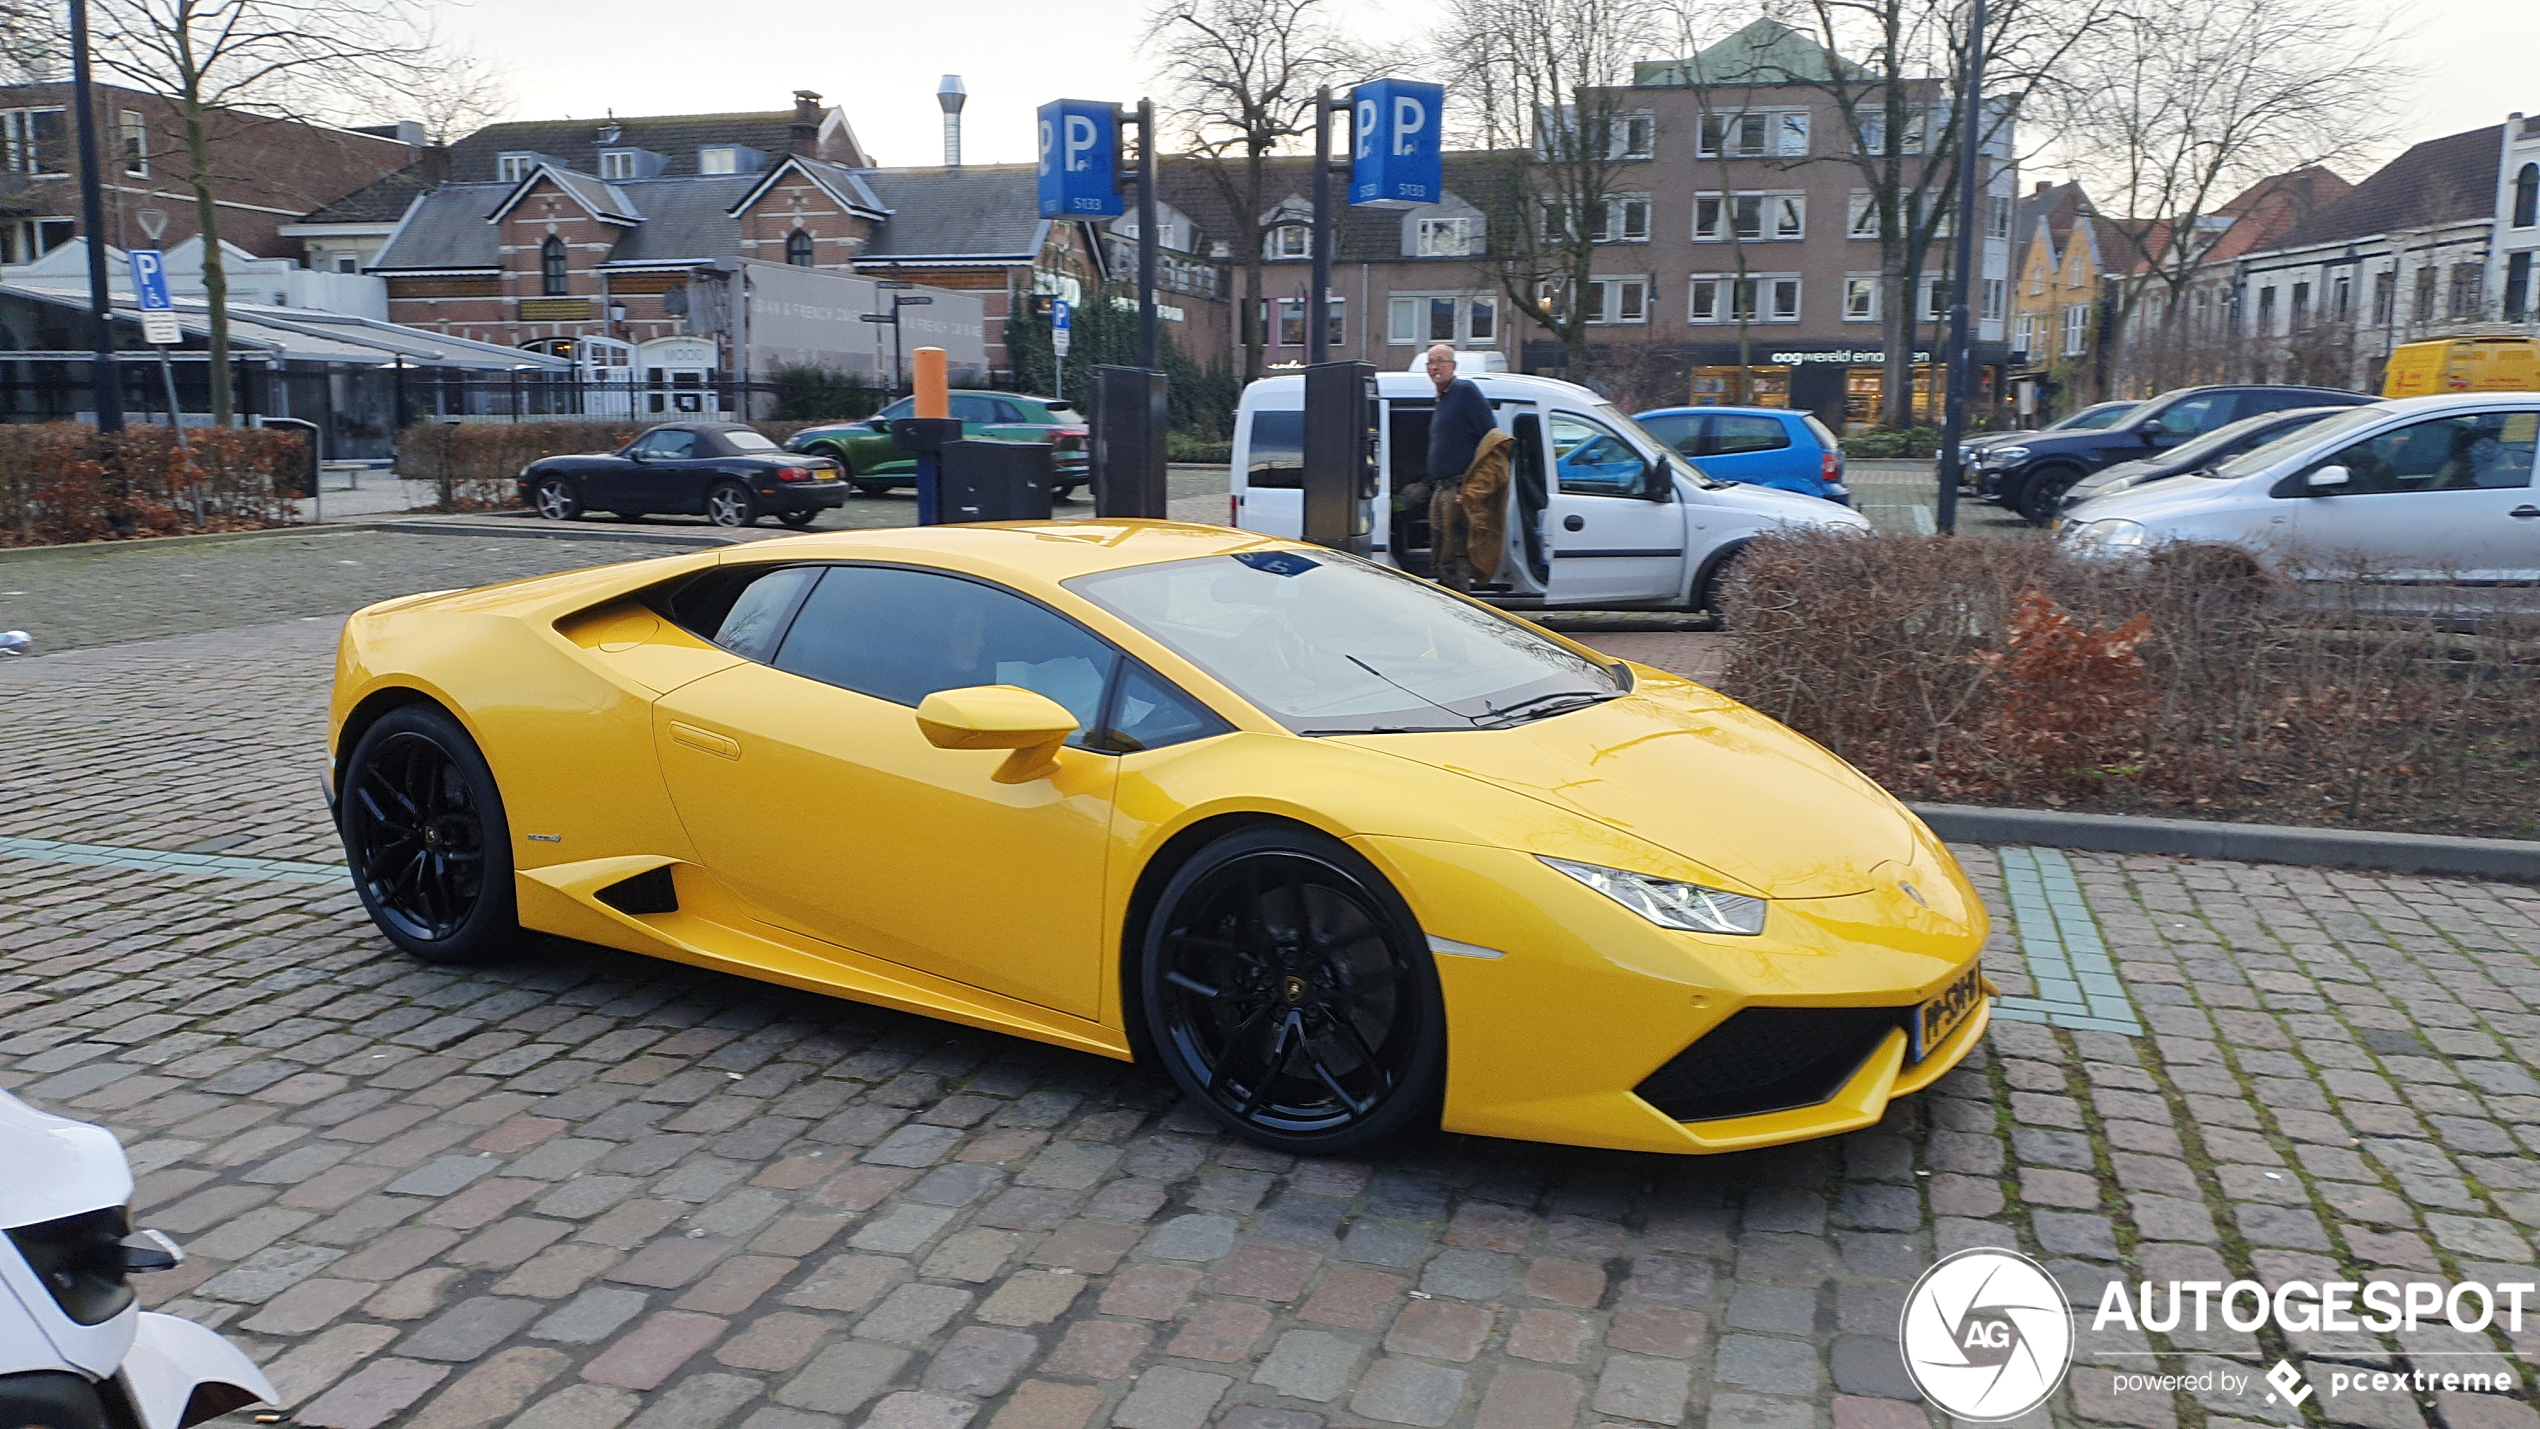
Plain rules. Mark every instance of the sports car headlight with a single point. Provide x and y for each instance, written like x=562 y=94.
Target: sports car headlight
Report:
x=1669 y=904
x=2001 y=456
x=2110 y=533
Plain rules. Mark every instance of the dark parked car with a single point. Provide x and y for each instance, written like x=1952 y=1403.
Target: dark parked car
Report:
x=2031 y=476
x=723 y=471
x=875 y=465
x=2208 y=451
x=2091 y=418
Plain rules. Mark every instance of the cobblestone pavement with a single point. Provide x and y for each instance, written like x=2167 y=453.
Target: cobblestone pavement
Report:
x=587 y=1190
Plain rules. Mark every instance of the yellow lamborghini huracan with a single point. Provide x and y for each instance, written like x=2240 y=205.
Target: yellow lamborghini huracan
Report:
x=1344 y=852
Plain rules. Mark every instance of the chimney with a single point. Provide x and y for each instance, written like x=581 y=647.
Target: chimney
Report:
x=806 y=129
x=434 y=164
x=2043 y=186
x=950 y=95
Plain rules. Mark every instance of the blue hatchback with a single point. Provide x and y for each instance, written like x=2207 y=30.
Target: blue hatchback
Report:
x=1764 y=446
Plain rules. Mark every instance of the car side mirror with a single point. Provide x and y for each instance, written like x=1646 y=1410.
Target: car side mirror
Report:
x=2327 y=478
x=1655 y=484
x=633 y=455
x=1033 y=725
x=2154 y=427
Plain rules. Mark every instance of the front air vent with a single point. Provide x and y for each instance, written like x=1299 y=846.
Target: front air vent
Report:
x=1767 y=1059
x=648 y=892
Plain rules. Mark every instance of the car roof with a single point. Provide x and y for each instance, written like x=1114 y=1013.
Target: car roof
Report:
x=1733 y=411
x=1049 y=551
x=1289 y=388
x=700 y=427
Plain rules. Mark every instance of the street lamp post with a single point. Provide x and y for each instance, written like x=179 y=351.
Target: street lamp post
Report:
x=1953 y=421
x=106 y=378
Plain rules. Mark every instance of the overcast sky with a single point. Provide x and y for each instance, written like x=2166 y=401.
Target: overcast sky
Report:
x=882 y=59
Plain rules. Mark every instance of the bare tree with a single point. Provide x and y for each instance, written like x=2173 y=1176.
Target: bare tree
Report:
x=459 y=93
x=33 y=43
x=1895 y=73
x=1240 y=78
x=2168 y=116
x=228 y=65
x=1538 y=81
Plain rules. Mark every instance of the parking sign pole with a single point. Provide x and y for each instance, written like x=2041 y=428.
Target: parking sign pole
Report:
x=1148 y=338
x=107 y=379
x=1964 y=282
x=1318 y=303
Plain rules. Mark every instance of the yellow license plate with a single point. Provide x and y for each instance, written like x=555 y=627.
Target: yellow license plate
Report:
x=1935 y=1021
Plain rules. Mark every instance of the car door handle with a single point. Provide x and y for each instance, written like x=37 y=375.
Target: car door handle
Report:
x=1573 y=523
x=2524 y=512
x=705 y=739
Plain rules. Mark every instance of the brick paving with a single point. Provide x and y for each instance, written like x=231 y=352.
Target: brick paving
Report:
x=586 y=1190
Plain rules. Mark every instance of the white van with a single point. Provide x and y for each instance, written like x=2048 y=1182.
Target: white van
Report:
x=1600 y=512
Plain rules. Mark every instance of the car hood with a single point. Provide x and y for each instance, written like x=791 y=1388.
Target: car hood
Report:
x=1789 y=506
x=2155 y=500
x=1684 y=768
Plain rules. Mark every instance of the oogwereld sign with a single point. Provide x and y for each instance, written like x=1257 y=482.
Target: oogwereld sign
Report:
x=1080 y=160
x=1396 y=158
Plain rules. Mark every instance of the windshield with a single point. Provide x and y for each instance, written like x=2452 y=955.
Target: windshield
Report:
x=2258 y=459
x=745 y=440
x=1667 y=452
x=2091 y=419
x=1327 y=643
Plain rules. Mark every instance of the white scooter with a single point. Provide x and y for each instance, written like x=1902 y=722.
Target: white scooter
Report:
x=74 y=1351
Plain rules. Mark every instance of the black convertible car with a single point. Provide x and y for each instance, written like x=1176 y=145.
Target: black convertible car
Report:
x=723 y=471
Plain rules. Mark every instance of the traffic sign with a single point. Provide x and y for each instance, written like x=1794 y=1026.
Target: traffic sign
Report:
x=160 y=329
x=150 y=280
x=1062 y=313
x=1396 y=159
x=1080 y=160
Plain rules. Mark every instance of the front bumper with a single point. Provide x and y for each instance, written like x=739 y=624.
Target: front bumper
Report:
x=1558 y=1038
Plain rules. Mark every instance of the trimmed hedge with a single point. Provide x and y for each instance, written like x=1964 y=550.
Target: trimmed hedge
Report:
x=66 y=481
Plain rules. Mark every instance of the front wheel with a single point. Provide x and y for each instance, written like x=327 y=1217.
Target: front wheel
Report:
x=729 y=504
x=873 y=488
x=426 y=840
x=1288 y=991
x=2042 y=495
x=557 y=500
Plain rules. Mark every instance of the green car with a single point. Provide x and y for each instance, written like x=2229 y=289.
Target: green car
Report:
x=875 y=466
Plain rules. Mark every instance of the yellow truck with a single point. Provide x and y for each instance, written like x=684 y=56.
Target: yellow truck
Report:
x=2463 y=364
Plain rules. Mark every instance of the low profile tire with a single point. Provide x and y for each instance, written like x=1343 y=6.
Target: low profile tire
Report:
x=426 y=840
x=1289 y=992
x=729 y=503
x=872 y=488
x=798 y=519
x=556 y=500
x=2042 y=495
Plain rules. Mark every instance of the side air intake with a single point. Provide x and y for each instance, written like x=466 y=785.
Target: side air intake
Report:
x=647 y=892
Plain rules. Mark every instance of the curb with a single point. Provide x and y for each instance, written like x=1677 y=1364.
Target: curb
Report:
x=575 y=532
x=2517 y=859
x=200 y=538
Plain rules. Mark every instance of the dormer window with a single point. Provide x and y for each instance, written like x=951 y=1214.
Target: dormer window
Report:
x=1289 y=240
x=723 y=159
x=617 y=164
x=512 y=168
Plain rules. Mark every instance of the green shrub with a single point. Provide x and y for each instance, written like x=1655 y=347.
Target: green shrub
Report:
x=1891 y=442
x=1198 y=450
x=808 y=392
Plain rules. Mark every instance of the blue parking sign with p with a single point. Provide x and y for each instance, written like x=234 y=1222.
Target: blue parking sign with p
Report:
x=150 y=280
x=1396 y=158
x=1080 y=158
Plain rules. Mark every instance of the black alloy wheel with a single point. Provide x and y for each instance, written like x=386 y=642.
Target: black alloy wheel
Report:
x=426 y=840
x=798 y=519
x=729 y=503
x=556 y=499
x=1289 y=992
x=2042 y=495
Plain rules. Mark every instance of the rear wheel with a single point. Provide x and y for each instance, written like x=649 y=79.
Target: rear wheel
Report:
x=872 y=488
x=2042 y=495
x=798 y=519
x=426 y=840
x=1290 y=993
x=556 y=499
x=728 y=503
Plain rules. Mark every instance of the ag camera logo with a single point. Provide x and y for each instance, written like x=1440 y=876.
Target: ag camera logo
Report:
x=1986 y=1335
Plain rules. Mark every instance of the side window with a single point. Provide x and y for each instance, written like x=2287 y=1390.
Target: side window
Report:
x=905 y=407
x=1008 y=412
x=2478 y=451
x=1683 y=432
x=752 y=626
x=1589 y=460
x=901 y=635
x=1147 y=713
x=2197 y=415
x=1275 y=457
x=649 y=444
x=972 y=409
x=671 y=446
x=1734 y=433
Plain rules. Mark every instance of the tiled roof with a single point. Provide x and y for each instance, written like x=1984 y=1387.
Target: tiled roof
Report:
x=1365 y=235
x=676 y=137
x=1765 y=52
x=682 y=220
x=448 y=230
x=977 y=211
x=383 y=200
x=2439 y=181
x=2059 y=205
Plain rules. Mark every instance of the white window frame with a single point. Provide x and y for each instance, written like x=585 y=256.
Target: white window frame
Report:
x=1936 y=298
x=1991 y=290
x=1710 y=298
x=1625 y=220
x=1861 y=216
x=135 y=130
x=617 y=165
x=1620 y=300
x=1781 y=216
x=1758 y=134
x=1997 y=215
x=512 y=168
x=1873 y=131
x=1861 y=297
x=1444 y=238
x=1633 y=135
x=21 y=152
x=719 y=159
x=2076 y=328
x=1473 y=319
x=1274 y=242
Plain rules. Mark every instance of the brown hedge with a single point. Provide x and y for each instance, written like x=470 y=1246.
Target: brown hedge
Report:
x=65 y=481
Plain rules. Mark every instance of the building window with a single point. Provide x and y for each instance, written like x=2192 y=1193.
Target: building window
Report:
x=722 y=159
x=1623 y=218
x=2266 y=312
x=348 y=264
x=2342 y=299
x=2077 y=327
x=798 y=248
x=1445 y=238
x=1618 y=300
x=1441 y=317
x=1873 y=138
x=1633 y=135
x=617 y=164
x=1936 y=299
x=1780 y=217
x=2469 y=284
x=1997 y=216
x=1288 y=240
x=2423 y=312
x=27 y=239
x=2385 y=296
x=1863 y=221
x=136 y=144
x=1721 y=298
x=1992 y=310
x=1780 y=133
x=2023 y=335
x=2301 y=307
x=512 y=168
x=31 y=141
x=2527 y=196
x=1860 y=299
x=2518 y=287
x=552 y=279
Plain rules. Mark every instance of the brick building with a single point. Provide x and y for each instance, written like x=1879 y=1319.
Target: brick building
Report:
x=271 y=171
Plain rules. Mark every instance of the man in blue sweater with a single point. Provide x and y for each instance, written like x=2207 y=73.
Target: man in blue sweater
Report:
x=1456 y=428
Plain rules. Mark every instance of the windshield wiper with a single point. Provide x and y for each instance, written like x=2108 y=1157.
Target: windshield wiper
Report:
x=1406 y=689
x=1578 y=700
